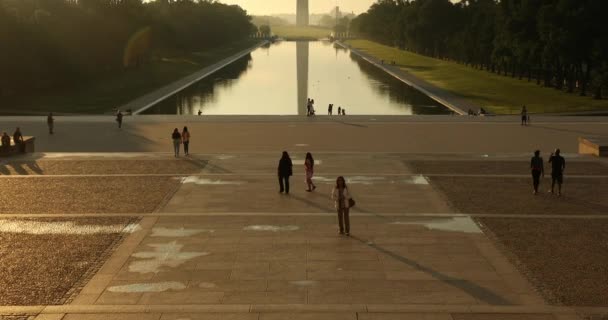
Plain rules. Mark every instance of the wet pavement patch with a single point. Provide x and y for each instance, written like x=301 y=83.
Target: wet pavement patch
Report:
x=48 y=269
x=453 y=224
x=163 y=256
x=85 y=194
x=148 y=287
x=564 y=258
x=269 y=228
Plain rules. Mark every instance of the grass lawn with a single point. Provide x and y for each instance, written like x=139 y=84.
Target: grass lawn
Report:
x=300 y=33
x=107 y=93
x=498 y=94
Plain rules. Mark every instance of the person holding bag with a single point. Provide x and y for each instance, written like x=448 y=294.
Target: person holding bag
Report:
x=343 y=202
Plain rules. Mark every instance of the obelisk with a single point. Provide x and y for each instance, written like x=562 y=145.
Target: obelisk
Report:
x=302 y=14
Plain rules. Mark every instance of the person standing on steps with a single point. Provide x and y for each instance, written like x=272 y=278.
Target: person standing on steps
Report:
x=177 y=140
x=186 y=141
x=119 y=119
x=343 y=202
x=309 y=165
x=558 y=165
x=285 y=170
x=330 y=109
x=538 y=169
x=18 y=140
x=339 y=111
x=524 y=116
x=50 y=121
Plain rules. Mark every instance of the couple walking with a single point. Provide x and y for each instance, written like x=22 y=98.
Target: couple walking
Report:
x=558 y=165
x=343 y=200
x=179 y=139
x=285 y=171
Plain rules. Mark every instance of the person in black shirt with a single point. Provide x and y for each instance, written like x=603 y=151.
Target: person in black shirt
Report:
x=538 y=169
x=119 y=119
x=558 y=165
x=285 y=170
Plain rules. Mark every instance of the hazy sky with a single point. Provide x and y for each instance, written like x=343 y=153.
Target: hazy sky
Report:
x=260 y=7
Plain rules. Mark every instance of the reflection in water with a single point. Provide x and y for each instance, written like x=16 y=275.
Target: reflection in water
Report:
x=267 y=82
x=302 y=56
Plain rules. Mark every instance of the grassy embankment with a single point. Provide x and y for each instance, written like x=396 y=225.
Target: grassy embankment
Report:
x=290 y=32
x=110 y=92
x=498 y=94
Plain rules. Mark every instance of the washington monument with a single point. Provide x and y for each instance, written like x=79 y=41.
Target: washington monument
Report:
x=302 y=14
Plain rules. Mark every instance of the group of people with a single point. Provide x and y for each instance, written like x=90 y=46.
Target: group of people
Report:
x=179 y=139
x=340 y=195
x=310 y=109
x=5 y=141
x=558 y=165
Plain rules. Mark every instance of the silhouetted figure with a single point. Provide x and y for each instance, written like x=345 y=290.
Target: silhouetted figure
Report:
x=285 y=170
x=343 y=111
x=330 y=109
x=309 y=166
x=558 y=165
x=308 y=107
x=119 y=119
x=177 y=140
x=18 y=140
x=538 y=169
x=342 y=200
x=524 y=116
x=200 y=112
x=186 y=140
x=50 y=121
x=6 y=142
x=339 y=110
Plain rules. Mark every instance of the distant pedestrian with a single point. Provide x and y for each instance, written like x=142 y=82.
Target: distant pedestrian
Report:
x=200 y=112
x=309 y=166
x=538 y=169
x=524 y=116
x=339 y=110
x=119 y=119
x=343 y=111
x=50 y=121
x=343 y=202
x=186 y=141
x=177 y=140
x=18 y=140
x=558 y=165
x=330 y=109
x=285 y=170
x=308 y=107
x=6 y=142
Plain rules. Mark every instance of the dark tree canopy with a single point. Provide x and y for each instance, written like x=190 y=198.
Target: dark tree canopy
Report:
x=53 y=43
x=560 y=43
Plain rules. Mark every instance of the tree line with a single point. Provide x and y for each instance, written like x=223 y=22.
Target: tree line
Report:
x=57 y=43
x=557 y=43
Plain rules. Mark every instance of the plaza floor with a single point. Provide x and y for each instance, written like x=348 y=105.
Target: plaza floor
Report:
x=210 y=237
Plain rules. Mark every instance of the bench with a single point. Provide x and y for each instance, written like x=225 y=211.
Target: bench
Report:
x=594 y=146
x=28 y=147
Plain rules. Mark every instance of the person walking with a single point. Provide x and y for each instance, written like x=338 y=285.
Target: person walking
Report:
x=558 y=165
x=524 y=116
x=119 y=116
x=330 y=109
x=339 y=111
x=285 y=170
x=50 y=121
x=18 y=140
x=177 y=140
x=343 y=202
x=309 y=165
x=186 y=141
x=308 y=107
x=538 y=169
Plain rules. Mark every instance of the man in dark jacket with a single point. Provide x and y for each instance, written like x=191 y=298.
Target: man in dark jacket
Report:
x=285 y=170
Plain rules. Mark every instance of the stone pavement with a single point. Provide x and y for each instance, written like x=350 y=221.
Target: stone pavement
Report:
x=227 y=245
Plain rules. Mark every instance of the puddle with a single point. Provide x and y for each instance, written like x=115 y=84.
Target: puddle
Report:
x=68 y=227
x=304 y=283
x=225 y=157
x=417 y=180
x=178 y=233
x=164 y=255
x=207 y=285
x=148 y=287
x=271 y=228
x=202 y=181
x=302 y=145
x=455 y=224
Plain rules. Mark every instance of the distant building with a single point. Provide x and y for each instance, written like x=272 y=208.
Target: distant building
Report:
x=302 y=14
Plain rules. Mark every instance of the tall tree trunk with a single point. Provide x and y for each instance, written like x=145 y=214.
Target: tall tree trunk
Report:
x=585 y=80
